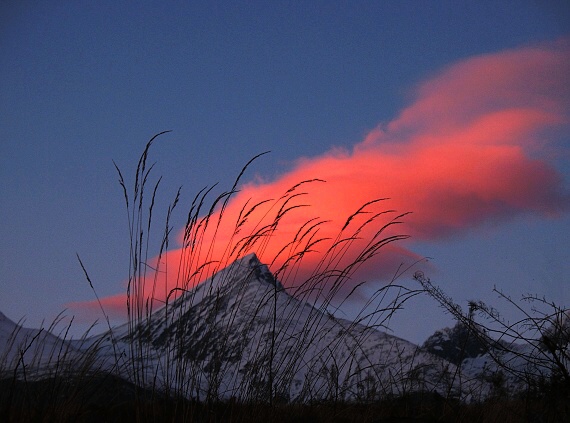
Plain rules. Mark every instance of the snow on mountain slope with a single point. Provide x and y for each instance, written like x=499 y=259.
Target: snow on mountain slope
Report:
x=240 y=334
x=514 y=367
x=497 y=364
x=34 y=349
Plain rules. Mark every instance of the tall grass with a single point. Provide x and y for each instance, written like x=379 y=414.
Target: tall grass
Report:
x=268 y=372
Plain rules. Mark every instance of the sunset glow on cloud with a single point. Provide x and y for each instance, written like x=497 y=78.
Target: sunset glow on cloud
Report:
x=468 y=150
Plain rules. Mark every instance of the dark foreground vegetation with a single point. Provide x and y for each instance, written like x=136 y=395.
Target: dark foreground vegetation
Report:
x=105 y=398
x=77 y=385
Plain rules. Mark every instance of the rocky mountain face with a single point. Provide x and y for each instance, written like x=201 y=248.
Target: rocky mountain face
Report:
x=455 y=344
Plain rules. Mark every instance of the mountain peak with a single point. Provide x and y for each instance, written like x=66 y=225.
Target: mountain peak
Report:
x=261 y=271
x=239 y=332
x=247 y=268
x=455 y=344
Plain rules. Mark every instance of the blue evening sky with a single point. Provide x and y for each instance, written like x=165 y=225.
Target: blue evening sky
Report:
x=87 y=82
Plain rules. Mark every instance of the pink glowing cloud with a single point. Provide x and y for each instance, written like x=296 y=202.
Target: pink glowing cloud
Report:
x=465 y=152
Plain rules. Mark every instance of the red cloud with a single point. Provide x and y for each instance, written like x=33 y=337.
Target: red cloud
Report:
x=465 y=152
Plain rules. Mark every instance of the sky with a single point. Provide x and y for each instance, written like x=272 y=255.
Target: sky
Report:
x=457 y=111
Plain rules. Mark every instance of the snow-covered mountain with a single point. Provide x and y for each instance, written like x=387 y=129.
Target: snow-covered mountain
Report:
x=37 y=349
x=240 y=334
x=500 y=365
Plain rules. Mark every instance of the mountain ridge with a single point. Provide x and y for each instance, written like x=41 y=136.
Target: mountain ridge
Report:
x=240 y=335
x=241 y=328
